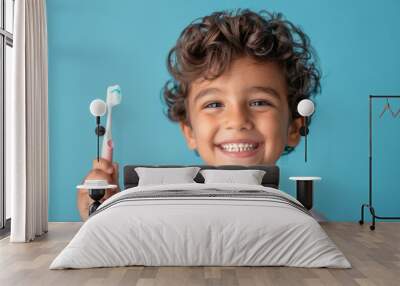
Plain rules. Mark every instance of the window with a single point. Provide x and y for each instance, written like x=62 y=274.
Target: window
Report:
x=6 y=44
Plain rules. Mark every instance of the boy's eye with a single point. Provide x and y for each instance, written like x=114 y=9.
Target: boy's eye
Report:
x=259 y=103
x=213 y=105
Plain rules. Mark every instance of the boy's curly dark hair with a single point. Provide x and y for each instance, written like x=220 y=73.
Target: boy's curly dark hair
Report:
x=206 y=48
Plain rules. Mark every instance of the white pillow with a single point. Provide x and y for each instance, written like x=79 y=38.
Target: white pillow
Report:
x=162 y=176
x=248 y=177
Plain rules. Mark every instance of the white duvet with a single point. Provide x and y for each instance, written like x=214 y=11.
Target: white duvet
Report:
x=227 y=231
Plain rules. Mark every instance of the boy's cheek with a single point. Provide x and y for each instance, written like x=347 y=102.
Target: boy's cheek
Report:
x=189 y=135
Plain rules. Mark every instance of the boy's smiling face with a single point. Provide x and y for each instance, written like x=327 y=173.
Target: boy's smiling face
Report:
x=241 y=117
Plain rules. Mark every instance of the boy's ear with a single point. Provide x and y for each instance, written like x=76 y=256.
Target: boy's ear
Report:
x=294 y=132
x=188 y=133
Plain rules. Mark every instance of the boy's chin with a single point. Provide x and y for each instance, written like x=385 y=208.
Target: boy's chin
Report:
x=238 y=161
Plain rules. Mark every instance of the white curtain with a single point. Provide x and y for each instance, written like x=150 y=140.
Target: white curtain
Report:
x=27 y=124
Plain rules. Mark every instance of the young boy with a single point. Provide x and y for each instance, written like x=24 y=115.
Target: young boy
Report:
x=237 y=79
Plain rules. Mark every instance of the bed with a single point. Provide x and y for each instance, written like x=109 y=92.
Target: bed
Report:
x=201 y=224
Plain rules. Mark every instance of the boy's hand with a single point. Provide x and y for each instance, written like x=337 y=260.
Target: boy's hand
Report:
x=101 y=170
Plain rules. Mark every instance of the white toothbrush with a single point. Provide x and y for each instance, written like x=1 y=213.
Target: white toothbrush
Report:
x=113 y=98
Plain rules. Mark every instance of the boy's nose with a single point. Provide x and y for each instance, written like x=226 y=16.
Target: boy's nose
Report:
x=238 y=118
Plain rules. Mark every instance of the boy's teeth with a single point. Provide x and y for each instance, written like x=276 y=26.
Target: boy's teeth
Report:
x=232 y=147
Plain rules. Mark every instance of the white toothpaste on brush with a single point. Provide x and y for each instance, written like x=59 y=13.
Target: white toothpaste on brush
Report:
x=114 y=98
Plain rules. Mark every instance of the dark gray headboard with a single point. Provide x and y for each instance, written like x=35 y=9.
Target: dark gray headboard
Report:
x=270 y=179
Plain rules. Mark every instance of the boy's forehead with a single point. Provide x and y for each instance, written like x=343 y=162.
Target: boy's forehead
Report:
x=244 y=75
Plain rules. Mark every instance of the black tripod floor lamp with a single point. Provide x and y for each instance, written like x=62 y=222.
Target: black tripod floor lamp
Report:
x=369 y=205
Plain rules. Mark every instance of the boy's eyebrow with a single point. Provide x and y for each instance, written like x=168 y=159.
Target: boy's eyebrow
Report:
x=253 y=89
x=204 y=92
x=265 y=89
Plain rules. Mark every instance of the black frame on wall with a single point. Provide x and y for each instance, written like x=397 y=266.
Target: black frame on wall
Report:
x=369 y=205
x=6 y=39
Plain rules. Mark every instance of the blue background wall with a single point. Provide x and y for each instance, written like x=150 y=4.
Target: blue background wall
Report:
x=93 y=44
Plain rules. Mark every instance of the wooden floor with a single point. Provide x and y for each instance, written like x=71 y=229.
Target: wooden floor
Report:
x=374 y=255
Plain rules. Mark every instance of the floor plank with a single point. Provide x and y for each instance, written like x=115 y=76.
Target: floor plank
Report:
x=374 y=255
